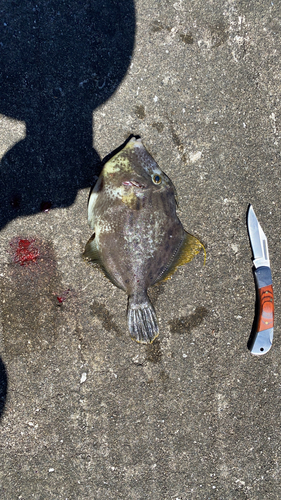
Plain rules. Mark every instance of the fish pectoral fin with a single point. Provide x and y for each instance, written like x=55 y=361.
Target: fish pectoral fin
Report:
x=190 y=247
x=142 y=321
x=91 y=252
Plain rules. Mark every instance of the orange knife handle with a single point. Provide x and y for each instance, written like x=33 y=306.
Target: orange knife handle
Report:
x=266 y=308
x=265 y=319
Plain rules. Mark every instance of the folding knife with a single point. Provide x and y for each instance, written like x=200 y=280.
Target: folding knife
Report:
x=263 y=332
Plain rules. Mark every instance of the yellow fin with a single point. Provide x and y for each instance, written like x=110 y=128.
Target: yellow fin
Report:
x=190 y=247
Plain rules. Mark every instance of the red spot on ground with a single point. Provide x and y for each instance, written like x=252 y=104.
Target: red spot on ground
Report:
x=63 y=297
x=25 y=251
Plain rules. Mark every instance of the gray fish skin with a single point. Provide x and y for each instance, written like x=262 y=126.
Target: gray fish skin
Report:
x=132 y=210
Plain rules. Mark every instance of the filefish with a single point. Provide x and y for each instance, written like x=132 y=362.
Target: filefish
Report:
x=138 y=238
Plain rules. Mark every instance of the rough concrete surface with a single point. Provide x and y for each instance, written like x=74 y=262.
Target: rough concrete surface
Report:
x=86 y=412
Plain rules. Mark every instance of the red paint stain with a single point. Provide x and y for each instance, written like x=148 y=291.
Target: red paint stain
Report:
x=25 y=251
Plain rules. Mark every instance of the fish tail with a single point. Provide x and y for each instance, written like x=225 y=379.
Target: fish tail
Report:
x=142 y=320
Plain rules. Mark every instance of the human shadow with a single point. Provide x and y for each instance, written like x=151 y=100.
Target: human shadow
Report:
x=59 y=61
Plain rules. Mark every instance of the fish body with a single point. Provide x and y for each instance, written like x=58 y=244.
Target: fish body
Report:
x=138 y=238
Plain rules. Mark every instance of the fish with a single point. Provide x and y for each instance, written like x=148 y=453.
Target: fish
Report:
x=138 y=239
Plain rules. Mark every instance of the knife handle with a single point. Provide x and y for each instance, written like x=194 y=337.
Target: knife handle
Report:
x=265 y=319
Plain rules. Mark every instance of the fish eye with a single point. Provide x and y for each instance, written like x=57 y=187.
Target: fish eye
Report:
x=156 y=179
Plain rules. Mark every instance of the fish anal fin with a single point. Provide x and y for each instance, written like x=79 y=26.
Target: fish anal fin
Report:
x=189 y=248
x=91 y=252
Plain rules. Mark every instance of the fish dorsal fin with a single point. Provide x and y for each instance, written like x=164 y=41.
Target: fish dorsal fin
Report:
x=91 y=252
x=190 y=247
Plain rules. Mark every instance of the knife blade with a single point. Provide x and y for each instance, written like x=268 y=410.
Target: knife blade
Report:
x=263 y=332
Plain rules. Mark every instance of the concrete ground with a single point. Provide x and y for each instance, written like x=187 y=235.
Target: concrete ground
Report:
x=86 y=412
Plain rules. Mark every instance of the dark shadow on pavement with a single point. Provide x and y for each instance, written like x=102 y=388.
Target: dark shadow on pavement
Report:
x=59 y=61
x=253 y=333
x=3 y=386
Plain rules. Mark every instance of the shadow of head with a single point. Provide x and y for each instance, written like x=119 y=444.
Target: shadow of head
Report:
x=59 y=61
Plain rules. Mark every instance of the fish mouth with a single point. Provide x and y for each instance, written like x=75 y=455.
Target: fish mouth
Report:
x=134 y=184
